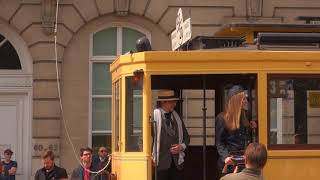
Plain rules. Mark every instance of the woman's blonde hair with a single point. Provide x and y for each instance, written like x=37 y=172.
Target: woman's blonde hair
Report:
x=233 y=112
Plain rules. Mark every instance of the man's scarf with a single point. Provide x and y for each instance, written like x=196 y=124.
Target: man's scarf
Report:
x=158 y=119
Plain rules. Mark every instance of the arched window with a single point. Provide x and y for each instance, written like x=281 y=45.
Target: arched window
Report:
x=106 y=44
x=16 y=80
x=9 y=58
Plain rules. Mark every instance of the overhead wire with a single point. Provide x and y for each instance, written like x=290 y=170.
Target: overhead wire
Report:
x=60 y=99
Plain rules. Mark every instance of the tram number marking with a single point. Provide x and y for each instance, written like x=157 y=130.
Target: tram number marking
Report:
x=278 y=88
x=273 y=87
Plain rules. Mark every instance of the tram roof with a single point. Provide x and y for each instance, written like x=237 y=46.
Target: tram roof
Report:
x=227 y=55
x=250 y=30
x=238 y=29
x=248 y=53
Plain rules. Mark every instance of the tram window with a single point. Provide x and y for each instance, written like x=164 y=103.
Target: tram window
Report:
x=133 y=115
x=117 y=106
x=294 y=110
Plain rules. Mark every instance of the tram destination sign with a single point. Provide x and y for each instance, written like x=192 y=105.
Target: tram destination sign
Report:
x=182 y=33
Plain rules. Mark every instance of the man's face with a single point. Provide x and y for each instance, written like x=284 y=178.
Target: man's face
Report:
x=103 y=152
x=48 y=163
x=86 y=157
x=7 y=156
x=168 y=105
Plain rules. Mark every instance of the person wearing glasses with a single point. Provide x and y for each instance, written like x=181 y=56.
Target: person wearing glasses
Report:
x=84 y=171
x=232 y=129
x=99 y=161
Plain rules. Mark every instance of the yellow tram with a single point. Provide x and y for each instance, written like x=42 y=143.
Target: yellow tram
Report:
x=282 y=81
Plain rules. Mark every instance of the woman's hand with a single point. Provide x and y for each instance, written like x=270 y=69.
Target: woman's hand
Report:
x=228 y=160
x=253 y=124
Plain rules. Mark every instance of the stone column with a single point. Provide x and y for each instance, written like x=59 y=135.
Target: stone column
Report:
x=254 y=8
x=48 y=11
x=122 y=7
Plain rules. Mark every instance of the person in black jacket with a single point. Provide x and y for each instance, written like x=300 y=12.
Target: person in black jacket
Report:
x=99 y=161
x=232 y=127
x=50 y=171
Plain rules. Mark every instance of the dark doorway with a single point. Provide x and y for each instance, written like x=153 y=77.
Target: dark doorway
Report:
x=202 y=98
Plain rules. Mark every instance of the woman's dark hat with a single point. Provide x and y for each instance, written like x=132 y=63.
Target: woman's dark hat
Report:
x=234 y=90
x=167 y=95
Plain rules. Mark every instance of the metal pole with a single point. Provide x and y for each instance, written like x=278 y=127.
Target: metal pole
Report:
x=204 y=116
x=250 y=118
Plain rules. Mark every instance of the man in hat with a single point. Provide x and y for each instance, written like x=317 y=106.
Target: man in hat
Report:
x=9 y=166
x=170 y=138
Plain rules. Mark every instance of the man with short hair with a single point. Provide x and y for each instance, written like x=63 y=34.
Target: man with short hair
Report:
x=84 y=171
x=9 y=166
x=99 y=161
x=255 y=159
x=50 y=171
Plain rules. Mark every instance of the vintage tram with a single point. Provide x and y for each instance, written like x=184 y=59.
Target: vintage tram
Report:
x=280 y=72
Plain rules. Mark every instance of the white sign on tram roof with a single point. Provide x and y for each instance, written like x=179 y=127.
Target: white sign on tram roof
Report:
x=182 y=33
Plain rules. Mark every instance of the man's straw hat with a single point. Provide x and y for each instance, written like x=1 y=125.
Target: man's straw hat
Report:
x=167 y=95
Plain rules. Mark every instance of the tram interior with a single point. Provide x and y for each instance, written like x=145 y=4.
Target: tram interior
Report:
x=191 y=89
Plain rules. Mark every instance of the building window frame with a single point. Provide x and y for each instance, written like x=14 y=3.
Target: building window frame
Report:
x=106 y=59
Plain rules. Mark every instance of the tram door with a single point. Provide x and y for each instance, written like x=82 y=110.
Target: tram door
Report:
x=202 y=98
x=201 y=131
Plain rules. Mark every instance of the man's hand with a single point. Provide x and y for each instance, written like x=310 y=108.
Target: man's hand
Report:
x=176 y=148
x=12 y=171
x=153 y=163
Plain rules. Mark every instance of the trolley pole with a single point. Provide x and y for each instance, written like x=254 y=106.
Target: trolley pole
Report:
x=204 y=127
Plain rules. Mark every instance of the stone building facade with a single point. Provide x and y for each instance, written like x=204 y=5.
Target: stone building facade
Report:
x=91 y=33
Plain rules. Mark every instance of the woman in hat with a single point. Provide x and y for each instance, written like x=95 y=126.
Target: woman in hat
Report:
x=231 y=127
